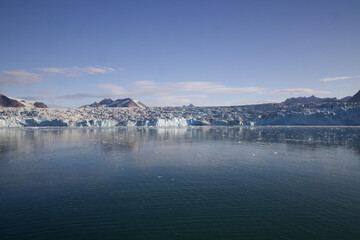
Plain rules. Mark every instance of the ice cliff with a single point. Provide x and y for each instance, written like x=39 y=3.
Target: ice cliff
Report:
x=264 y=114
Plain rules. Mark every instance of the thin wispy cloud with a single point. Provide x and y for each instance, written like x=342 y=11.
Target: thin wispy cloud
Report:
x=298 y=91
x=78 y=71
x=251 y=102
x=19 y=77
x=210 y=87
x=228 y=90
x=150 y=88
x=331 y=79
x=43 y=92
x=178 y=100
x=200 y=100
x=144 y=83
x=81 y=96
x=114 y=90
x=38 y=98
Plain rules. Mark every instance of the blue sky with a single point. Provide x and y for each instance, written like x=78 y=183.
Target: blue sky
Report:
x=173 y=53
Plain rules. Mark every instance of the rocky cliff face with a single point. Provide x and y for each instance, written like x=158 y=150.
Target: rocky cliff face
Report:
x=15 y=102
x=7 y=102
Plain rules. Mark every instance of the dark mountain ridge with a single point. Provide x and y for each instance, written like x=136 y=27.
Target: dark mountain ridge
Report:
x=314 y=99
x=7 y=102
x=108 y=102
x=11 y=102
x=356 y=97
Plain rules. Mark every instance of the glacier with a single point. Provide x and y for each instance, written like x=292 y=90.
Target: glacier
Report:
x=248 y=115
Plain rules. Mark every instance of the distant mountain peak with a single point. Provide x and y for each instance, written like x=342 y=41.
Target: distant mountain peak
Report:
x=125 y=102
x=105 y=101
x=356 y=97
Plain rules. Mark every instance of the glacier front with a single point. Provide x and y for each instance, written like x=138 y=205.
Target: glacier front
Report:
x=250 y=115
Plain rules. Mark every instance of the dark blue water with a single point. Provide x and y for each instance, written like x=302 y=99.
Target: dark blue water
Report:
x=180 y=183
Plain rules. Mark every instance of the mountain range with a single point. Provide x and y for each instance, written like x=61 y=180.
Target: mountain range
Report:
x=129 y=102
x=108 y=102
x=314 y=99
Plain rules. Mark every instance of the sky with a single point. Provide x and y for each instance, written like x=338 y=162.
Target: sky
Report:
x=174 y=53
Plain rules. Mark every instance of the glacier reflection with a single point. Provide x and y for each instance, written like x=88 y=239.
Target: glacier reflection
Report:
x=129 y=139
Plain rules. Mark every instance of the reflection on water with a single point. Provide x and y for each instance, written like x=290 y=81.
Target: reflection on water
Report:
x=180 y=183
x=127 y=139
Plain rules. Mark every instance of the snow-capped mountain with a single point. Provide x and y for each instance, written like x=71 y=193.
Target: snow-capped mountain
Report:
x=17 y=102
x=108 y=102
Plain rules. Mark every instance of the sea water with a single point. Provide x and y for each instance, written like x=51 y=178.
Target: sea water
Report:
x=180 y=183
